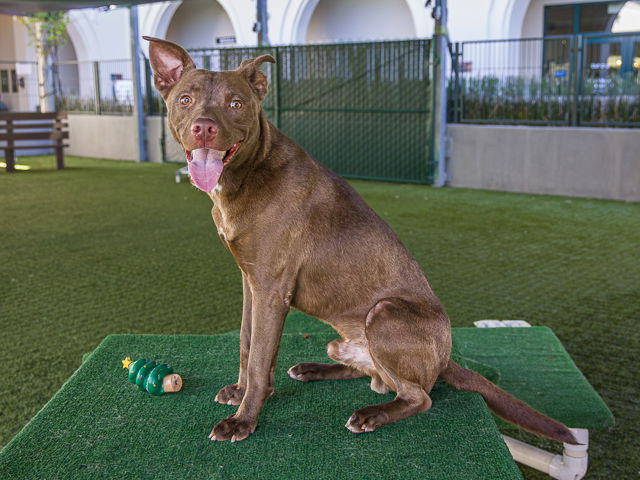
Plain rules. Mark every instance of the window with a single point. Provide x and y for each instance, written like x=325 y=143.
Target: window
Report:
x=603 y=59
x=606 y=54
x=582 y=17
x=4 y=81
x=559 y=20
x=598 y=17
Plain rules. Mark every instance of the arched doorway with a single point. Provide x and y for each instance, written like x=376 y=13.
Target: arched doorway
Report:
x=201 y=24
x=66 y=78
x=360 y=20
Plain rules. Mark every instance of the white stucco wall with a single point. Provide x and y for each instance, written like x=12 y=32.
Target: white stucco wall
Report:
x=104 y=35
x=197 y=22
x=628 y=19
x=100 y=35
x=7 y=51
x=14 y=47
x=156 y=20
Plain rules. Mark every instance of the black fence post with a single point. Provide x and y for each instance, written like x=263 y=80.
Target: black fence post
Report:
x=576 y=107
x=456 y=116
x=163 y=133
x=573 y=81
x=276 y=69
x=151 y=108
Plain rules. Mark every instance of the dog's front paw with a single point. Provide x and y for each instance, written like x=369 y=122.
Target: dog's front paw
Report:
x=233 y=429
x=367 y=419
x=230 y=395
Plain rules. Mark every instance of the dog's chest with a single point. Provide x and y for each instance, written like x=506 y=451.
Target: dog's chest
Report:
x=223 y=224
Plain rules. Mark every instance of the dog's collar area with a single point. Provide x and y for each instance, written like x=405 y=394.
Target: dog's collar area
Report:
x=228 y=154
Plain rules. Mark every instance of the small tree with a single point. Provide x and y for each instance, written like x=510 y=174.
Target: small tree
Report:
x=48 y=33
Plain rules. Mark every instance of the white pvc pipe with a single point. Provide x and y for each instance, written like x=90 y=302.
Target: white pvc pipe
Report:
x=571 y=465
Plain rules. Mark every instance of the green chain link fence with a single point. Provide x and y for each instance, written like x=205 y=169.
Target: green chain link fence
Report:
x=362 y=109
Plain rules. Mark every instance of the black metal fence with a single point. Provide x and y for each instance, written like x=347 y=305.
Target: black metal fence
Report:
x=103 y=87
x=588 y=80
x=362 y=109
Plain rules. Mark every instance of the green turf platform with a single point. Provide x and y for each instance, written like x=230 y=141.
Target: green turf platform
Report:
x=534 y=366
x=100 y=426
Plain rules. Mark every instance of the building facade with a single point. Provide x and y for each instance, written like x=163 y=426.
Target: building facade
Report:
x=103 y=35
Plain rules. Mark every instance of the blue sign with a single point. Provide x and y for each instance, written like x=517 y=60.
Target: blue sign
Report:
x=560 y=74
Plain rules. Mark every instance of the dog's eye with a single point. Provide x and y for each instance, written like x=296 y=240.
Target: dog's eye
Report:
x=236 y=104
x=185 y=100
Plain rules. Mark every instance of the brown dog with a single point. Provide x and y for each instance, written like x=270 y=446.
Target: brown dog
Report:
x=304 y=238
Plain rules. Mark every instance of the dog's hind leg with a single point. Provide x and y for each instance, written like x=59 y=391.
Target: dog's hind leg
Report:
x=355 y=362
x=312 y=371
x=408 y=349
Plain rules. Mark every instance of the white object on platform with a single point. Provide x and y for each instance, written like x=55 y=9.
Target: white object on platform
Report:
x=501 y=323
x=571 y=465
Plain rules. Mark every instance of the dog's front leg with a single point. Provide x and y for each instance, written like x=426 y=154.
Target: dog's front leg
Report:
x=268 y=311
x=232 y=394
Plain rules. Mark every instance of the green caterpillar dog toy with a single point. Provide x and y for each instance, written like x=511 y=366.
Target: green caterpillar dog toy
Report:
x=154 y=377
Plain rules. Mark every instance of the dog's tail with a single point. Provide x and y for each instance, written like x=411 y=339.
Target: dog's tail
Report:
x=506 y=406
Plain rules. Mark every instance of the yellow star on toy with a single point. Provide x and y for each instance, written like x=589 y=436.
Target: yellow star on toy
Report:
x=126 y=362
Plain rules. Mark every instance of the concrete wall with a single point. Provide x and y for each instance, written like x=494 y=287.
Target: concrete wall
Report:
x=102 y=136
x=112 y=137
x=584 y=162
x=154 y=150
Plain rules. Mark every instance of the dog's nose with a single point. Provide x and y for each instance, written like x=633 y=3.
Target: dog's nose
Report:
x=204 y=129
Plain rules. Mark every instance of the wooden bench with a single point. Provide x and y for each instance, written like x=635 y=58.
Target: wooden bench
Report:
x=16 y=128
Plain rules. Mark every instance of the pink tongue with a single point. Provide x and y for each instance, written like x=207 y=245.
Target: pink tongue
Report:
x=205 y=168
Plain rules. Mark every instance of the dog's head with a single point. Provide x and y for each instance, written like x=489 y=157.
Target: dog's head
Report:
x=214 y=116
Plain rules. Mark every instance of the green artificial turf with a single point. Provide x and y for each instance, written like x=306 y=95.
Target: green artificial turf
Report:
x=108 y=247
x=101 y=426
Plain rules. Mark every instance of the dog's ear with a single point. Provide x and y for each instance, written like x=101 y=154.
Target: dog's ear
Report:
x=251 y=69
x=169 y=62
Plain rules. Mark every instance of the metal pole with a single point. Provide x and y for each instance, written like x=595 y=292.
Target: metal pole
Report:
x=97 y=104
x=42 y=69
x=262 y=25
x=138 y=109
x=440 y=89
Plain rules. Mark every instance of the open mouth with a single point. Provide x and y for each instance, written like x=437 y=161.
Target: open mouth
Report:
x=228 y=154
x=206 y=165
